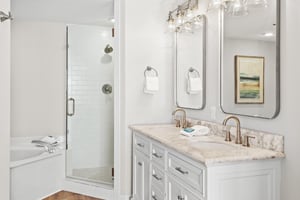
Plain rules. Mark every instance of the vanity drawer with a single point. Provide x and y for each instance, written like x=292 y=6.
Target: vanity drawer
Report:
x=189 y=173
x=141 y=144
x=158 y=155
x=177 y=191
x=156 y=194
x=158 y=178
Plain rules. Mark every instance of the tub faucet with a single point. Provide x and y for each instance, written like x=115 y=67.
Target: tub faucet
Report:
x=238 y=137
x=182 y=123
x=48 y=147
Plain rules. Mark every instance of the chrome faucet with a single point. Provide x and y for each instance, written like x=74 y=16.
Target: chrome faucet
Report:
x=48 y=147
x=238 y=137
x=182 y=123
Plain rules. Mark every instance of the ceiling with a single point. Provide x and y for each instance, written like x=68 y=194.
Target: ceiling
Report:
x=254 y=25
x=67 y=11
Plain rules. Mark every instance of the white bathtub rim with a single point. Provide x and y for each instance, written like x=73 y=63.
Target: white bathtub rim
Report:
x=24 y=143
x=43 y=156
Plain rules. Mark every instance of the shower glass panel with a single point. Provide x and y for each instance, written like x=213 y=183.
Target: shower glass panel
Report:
x=90 y=103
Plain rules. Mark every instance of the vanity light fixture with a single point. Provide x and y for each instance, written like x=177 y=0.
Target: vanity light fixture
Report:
x=236 y=7
x=182 y=15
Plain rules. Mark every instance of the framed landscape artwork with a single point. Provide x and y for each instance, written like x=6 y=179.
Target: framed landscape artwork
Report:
x=249 y=79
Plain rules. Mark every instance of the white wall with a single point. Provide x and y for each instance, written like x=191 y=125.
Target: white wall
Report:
x=145 y=43
x=38 y=78
x=4 y=102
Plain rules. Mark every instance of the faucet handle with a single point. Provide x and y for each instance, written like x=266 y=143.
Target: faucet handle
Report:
x=177 y=122
x=246 y=140
x=226 y=129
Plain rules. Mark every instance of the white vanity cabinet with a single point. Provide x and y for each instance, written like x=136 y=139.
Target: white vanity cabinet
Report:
x=141 y=168
x=161 y=173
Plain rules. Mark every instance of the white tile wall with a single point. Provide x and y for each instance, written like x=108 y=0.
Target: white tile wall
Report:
x=91 y=128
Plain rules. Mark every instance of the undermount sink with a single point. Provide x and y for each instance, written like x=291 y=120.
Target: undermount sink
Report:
x=212 y=145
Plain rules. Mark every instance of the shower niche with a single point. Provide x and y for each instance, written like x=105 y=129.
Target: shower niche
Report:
x=90 y=103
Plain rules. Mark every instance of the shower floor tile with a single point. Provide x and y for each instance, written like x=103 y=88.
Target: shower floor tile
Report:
x=64 y=195
x=98 y=174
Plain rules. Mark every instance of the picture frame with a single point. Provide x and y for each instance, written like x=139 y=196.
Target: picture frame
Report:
x=249 y=79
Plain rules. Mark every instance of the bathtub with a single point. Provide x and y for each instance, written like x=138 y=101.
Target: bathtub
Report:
x=27 y=154
x=35 y=173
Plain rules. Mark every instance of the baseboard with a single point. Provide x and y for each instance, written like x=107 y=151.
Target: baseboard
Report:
x=89 y=190
x=49 y=195
x=125 y=197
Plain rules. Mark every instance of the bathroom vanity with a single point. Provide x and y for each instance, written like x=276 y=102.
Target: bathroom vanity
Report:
x=170 y=166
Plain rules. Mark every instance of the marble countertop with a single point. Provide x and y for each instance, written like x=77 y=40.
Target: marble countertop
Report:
x=211 y=149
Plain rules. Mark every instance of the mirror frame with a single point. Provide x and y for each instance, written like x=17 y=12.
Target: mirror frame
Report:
x=277 y=77
x=204 y=18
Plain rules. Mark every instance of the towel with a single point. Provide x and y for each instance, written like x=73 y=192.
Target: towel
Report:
x=194 y=85
x=49 y=139
x=151 y=85
x=52 y=139
x=196 y=130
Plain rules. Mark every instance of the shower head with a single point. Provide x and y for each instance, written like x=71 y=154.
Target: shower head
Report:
x=108 y=49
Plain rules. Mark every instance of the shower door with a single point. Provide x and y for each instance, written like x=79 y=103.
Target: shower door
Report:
x=90 y=103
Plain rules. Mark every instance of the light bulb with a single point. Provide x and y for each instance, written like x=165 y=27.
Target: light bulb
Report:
x=171 y=24
x=189 y=13
x=180 y=18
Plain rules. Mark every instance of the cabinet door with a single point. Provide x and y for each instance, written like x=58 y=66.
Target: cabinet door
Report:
x=140 y=176
x=174 y=190
x=177 y=191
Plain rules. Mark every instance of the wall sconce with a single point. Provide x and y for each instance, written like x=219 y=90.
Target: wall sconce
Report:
x=182 y=15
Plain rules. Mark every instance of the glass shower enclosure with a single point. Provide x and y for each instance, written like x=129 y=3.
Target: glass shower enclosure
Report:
x=90 y=102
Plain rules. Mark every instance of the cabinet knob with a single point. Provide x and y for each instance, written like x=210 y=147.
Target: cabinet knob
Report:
x=140 y=164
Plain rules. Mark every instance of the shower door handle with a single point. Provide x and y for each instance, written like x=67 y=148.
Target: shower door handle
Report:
x=73 y=107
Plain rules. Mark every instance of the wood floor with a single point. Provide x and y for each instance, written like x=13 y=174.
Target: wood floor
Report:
x=63 y=195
